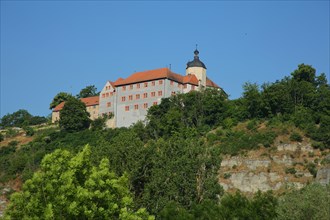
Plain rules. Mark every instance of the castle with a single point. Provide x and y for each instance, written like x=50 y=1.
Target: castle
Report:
x=129 y=99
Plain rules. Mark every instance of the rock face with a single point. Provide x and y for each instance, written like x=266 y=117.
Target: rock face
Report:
x=277 y=168
x=323 y=175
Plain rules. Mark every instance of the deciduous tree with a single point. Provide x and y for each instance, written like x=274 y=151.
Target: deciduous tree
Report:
x=74 y=116
x=60 y=97
x=69 y=187
x=88 y=91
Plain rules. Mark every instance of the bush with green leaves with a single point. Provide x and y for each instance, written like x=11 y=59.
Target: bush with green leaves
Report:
x=296 y=137
x=29 y=131
x=70 y=187
x=232 y=142
x=237 y=206
x=311 y=202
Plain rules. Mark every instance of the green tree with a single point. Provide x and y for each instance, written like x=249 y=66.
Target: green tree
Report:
x=69 y=187
x=2 y=137
x=21 y=118
x=179 y=170
x=237 y=206
x=74 y=116
x=311 y=202
x=183 y=113
x=29 y=131
x=88 y=91
x=60 y=97
x=253 y=100
x=304 y=73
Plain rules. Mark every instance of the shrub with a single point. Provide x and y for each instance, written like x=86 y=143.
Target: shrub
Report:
x=290 y=170
x=2 y=137
x=29 y=131
x=318 y=145
x=312 y=169
x=252 y=125
x=226 y=175
x=311 y=202
x=11 y=132
x=13 y=143
x=295 y=137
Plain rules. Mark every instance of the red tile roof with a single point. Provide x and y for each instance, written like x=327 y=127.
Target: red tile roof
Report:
x=89 y=101
x=156 y=74
x=210 y=83
x=112 y=83
x=191 y=79
x=58 y=107
x=118 y=80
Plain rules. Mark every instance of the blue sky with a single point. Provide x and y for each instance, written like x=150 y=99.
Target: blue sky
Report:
x=54 y=46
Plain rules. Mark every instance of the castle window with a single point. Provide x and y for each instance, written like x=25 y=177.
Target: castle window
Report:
x=130 y=97
x=154 y=103
x=131 y=87
x=103 y=95
x=127 y=108
x=137 y=96
x=145 y=84
x=145 y=95
x=123 y=98
x=160 y=93
x=185 y=86
x=136 y=107
x=145 y=105
x=138 y=85
x=124 y=88
x=109 y=104
x=153 y=94
x=153 y=83
x=160 y=82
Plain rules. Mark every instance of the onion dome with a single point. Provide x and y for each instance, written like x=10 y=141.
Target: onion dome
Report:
x=196 y=62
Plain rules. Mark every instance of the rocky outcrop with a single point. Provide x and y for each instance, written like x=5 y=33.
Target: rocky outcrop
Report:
x=276 y=168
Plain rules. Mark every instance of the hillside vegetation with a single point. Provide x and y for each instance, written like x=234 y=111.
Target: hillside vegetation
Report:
x=172 y=162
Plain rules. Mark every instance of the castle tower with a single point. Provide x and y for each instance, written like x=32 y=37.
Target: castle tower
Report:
x=197 y=68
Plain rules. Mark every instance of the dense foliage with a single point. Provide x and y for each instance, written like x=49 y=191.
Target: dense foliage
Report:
x=171 y=163
x=21 y=118
x=69 y=187
x=88 y=91
x=60 y=97
x=303 y=98
x=311 y=202
x=74 y=116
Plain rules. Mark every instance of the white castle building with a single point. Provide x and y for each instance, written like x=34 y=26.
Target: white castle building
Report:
x=129 y=99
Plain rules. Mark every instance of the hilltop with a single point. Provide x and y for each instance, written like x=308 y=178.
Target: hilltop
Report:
x=195 y=152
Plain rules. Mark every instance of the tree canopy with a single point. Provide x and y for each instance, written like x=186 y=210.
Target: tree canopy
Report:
x=21 y=118
x=69 y=187
x=74 y=116
x=60 y=97
x=88 y=91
